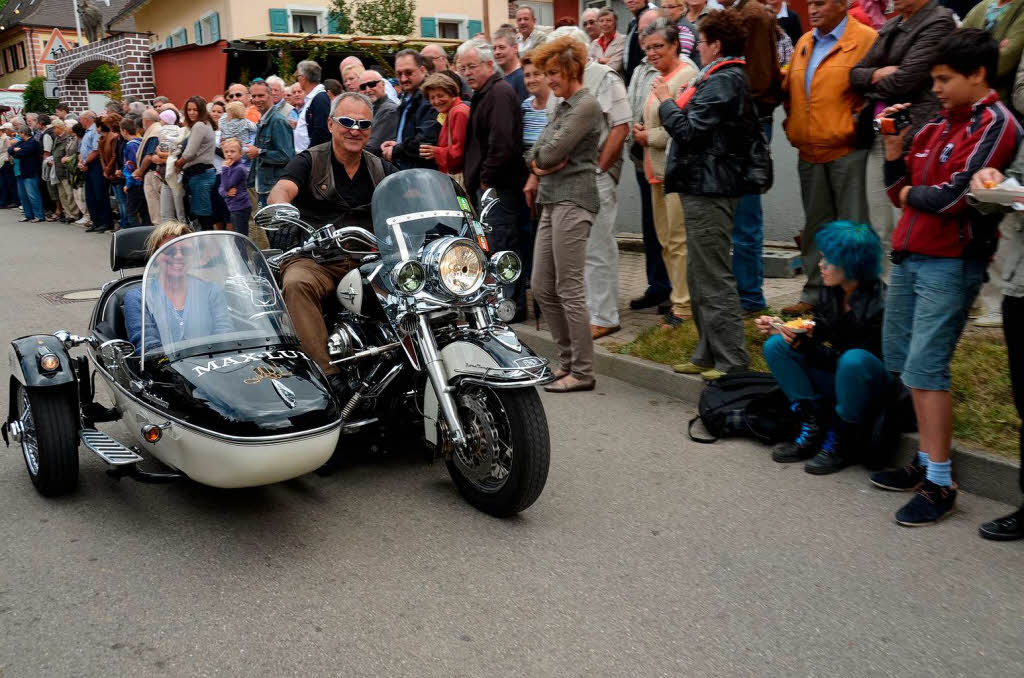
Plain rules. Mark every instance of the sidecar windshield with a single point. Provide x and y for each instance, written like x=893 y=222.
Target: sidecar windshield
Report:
x=207 y=292
x=413 y=206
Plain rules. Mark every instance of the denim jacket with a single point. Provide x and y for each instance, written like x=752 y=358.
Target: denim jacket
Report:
x=275 y=140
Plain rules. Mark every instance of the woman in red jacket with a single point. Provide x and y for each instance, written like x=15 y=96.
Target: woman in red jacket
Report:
x=442 y=90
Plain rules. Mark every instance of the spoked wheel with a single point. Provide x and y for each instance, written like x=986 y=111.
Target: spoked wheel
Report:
x=503 y=469
x=48 y=432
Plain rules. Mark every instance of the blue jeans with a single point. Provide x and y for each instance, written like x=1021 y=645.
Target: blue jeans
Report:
x=658 y=284
x=122 y=204
x=925 y=312
x=748 y=247
x=200 y=187
x=860 y=378
x=28 y=191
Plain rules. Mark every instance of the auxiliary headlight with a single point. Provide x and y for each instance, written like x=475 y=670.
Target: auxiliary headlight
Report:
x=461 y=268
x=49 y=362
x=506 y=267
x=409 y=277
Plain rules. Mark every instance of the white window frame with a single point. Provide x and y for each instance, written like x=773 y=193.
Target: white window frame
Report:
x=461 y=19
x=203 y=17
x=174 y=32
x=319 y=11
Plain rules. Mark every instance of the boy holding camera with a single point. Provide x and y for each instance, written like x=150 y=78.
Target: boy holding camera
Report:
x=940 y=250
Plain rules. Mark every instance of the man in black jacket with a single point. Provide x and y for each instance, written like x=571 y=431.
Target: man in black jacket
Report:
x=494 y=153
x=634 y=53
x=417 y=120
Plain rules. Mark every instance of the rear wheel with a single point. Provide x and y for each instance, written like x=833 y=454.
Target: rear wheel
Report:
x=48 y=422
x=504 y=468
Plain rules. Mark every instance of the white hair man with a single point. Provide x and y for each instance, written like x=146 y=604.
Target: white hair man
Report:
x=354 y=60
x=323 y=181
x=277 y=95
x=529 y=35
x=588 y=21
x=385 y=112
x=311 y=128
x=602 y=271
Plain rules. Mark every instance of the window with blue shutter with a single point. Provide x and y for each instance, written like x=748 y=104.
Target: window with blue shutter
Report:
x=181 y=38
x=214 y=27
x=279 y=21
x=197 y=29
x=474 y=26
x=332 y=25
x=168 y=42
x=428 y=27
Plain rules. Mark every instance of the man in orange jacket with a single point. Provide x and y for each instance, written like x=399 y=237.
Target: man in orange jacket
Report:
x=822 y=108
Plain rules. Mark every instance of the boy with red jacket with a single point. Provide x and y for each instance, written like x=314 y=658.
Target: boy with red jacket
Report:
x=940 y=250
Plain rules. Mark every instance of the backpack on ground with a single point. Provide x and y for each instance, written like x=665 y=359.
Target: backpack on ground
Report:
x=747 y=404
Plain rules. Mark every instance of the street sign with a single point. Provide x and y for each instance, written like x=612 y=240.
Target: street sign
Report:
x=50 y=89
x=51 y=71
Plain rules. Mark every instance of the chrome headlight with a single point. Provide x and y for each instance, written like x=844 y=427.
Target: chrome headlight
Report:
x=506 y=267
x=409 y=277
x=458 y=264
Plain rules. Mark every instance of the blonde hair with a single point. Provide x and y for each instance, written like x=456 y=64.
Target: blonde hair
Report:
x=352 y=67
x=169 y=230
x=235 y=109
x=232 y=140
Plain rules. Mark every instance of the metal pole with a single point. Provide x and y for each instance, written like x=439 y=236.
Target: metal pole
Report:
x=78 y=27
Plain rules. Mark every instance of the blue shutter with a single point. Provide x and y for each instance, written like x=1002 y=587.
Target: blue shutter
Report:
x=428 y=27
x=197 y=29
x=168 y=42
x=215 y=27
x=279 y=21
x=332 y=25
x=182 y=37
x=474 y=26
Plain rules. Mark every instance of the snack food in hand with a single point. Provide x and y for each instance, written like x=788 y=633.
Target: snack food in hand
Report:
x=990 y=184
x=800 y=324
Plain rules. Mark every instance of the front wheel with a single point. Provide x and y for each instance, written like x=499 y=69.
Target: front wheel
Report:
x=48 y=422
x=505 y=466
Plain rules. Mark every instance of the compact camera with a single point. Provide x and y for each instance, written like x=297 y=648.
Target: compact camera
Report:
x=892 y=125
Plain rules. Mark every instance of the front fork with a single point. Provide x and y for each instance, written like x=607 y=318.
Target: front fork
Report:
x=439 y=380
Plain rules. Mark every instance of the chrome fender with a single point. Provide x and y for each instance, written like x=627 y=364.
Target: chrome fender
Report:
x=496 y=360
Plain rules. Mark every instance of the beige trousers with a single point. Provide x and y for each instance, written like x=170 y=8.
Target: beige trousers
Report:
x=151 y=187
x=67 y=200
x=670 y=226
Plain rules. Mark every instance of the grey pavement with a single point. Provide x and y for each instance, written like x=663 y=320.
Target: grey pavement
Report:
x=647 y=555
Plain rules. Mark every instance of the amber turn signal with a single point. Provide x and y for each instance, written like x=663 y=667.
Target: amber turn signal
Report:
x=151 y=433
x=49 y=363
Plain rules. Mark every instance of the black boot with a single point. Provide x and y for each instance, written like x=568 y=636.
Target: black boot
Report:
x=837 y=450
x=807 y=440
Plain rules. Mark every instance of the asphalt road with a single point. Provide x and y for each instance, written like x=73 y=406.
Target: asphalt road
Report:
x=646 y=555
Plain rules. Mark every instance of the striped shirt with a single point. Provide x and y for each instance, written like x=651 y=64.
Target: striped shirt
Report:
x=535 y=121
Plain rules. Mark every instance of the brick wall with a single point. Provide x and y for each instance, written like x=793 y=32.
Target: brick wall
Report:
x=128 y=51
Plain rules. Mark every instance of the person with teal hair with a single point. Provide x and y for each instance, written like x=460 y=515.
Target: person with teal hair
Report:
x=833 y=371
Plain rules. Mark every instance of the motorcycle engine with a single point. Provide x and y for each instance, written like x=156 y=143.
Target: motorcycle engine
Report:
x=344 y=341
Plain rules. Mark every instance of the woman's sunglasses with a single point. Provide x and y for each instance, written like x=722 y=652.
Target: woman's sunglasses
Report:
x=179 y=251
x=352 y=123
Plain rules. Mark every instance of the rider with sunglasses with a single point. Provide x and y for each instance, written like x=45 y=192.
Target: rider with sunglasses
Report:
x=329 y=183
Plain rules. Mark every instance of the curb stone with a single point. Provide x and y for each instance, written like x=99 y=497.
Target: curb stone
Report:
x=978 y=472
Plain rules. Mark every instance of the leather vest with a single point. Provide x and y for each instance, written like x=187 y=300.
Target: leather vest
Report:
x=321 y=176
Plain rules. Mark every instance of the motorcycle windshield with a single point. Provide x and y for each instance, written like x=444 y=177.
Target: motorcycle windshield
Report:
x=207 y=292
x=414 y=206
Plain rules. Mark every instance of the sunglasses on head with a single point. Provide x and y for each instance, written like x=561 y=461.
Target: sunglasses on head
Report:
x=352 y=123
x=368 y=85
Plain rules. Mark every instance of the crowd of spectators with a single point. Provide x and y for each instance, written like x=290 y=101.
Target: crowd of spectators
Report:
x=895 y=252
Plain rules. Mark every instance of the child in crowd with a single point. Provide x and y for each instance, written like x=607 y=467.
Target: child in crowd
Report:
x=172 y=142
x=136 y=210
x=234 y=178
x=235 y=126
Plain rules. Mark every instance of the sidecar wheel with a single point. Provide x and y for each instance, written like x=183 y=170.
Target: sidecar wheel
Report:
x=49 y=438
x=505 y=470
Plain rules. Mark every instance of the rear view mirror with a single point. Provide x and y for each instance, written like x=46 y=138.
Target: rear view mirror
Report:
x=488 y=201
x=273 y=217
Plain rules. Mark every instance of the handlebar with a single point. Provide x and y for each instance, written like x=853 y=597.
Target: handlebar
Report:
x=325 y=237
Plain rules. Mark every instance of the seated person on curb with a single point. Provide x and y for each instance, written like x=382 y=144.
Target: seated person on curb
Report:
x=834 y=372
x=940 y=250
x=198 y=306
x=326 y=183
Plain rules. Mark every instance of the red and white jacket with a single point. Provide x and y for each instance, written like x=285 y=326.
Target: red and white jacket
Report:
x=943 y=157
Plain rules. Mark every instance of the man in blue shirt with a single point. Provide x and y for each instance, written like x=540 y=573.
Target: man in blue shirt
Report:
x=821 y=107
x=97 y=191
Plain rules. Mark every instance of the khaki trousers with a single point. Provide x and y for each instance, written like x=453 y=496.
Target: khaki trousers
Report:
x=67 y=200
x=559 y=261
x=256 y=234
x=306 y=283
x=151 y=187
x=670 y=226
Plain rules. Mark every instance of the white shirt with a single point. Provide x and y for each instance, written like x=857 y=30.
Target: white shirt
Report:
x=783 y=11
x=301 y=134
x=389 y=89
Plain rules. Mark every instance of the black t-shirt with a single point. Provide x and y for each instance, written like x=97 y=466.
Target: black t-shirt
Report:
x=356 y=192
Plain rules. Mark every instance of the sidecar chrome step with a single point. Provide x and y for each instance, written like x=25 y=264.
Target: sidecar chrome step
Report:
x=108 y=449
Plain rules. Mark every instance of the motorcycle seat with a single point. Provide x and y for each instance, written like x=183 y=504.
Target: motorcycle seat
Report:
x=111 y=325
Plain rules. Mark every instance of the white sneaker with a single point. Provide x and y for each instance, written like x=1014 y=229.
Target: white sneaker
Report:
x=994 y=319
x=83 y=221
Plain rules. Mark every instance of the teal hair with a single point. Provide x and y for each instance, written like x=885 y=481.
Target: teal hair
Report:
x=855 y=248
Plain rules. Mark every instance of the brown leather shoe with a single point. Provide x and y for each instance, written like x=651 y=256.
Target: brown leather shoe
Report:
x=598 y=331
x=569 y=384
x=799 y=308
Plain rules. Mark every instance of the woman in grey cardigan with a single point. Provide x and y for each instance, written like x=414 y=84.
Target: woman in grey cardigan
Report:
x=196 y=161
x=564 y=184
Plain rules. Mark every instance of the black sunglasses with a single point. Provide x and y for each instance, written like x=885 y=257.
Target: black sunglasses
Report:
x=368 y=85
x=352 y=123
x=236 y=95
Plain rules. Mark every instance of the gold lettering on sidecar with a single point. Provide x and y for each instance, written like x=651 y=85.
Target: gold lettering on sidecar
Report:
x=261 y=373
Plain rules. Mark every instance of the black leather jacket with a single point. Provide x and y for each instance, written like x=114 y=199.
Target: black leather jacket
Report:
x=837 y=331
x=711 y=136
